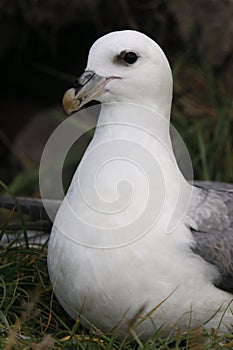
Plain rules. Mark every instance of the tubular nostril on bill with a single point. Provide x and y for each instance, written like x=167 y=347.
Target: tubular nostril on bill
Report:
x=84 y=79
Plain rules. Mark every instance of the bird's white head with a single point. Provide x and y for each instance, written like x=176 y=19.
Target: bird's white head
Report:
x=124 y=66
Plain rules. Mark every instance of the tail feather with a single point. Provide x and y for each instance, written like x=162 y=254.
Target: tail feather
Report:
x=33 y=207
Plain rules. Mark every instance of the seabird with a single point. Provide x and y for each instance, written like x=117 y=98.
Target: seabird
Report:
x=133 y=243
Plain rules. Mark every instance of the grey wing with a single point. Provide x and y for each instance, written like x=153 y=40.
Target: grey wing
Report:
x=210 y=219
x=214 y=185
x=34 y=207
x=37 y=228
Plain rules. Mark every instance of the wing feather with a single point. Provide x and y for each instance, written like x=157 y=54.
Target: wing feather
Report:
x=210 y=219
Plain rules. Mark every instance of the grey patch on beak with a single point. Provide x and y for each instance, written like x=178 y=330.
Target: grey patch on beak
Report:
x=83 y=80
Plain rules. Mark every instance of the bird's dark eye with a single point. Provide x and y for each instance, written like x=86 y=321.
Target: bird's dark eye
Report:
x=130 y=57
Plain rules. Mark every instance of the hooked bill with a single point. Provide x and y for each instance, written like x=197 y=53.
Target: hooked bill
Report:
x=69 y=102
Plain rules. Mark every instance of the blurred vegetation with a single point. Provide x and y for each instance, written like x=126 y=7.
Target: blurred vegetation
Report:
x=44 y=45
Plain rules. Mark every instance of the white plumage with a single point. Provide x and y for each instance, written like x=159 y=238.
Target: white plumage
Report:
x=121 y=242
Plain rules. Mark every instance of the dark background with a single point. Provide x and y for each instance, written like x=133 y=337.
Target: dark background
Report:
x=44 y=45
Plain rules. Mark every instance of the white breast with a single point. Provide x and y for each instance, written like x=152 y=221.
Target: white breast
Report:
x=111 y=254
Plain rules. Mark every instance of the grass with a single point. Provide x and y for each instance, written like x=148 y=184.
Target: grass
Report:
x=30 y=315
x=204 y=119
x=32 y=318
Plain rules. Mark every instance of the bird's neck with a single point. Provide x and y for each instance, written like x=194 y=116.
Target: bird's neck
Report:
x=139 y=128
x=134 y=143
x=135 y=122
